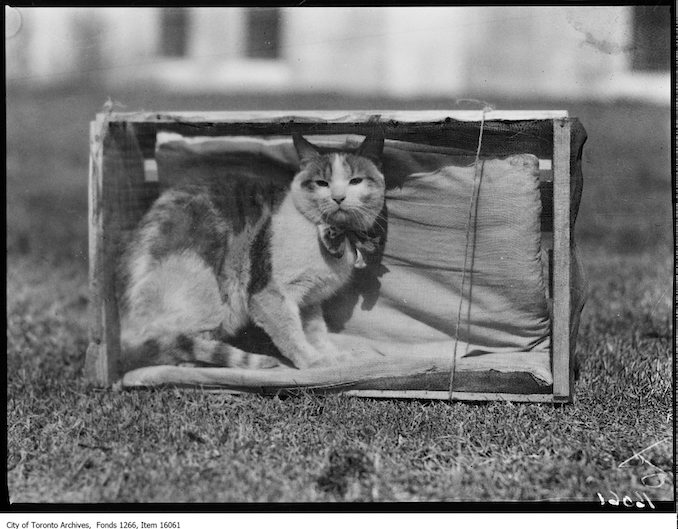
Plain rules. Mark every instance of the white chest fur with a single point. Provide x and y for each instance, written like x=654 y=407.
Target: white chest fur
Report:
x=299 y=265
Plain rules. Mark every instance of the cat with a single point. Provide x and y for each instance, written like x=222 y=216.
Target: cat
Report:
x=211 y=258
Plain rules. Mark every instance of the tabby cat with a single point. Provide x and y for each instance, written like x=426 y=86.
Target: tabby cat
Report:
x=212 y=257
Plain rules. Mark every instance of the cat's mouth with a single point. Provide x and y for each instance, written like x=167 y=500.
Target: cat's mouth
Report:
x=348 y=219
x=340 y=218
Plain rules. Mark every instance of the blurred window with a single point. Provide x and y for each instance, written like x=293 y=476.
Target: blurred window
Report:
x=651 y=38
x=263 y=33
x=174 y=31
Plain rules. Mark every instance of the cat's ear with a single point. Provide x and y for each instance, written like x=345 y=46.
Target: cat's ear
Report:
x=373 y=146
x=305 y=149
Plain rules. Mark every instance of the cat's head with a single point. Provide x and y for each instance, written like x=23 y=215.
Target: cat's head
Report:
x=339 y=187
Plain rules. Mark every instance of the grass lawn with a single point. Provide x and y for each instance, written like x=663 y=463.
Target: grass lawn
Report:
x=68 y=442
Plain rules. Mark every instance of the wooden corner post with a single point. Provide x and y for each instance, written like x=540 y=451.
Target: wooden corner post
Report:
x=560 y=343
x=100 y=364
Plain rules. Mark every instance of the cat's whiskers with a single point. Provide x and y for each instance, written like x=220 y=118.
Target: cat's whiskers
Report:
x=365 y=217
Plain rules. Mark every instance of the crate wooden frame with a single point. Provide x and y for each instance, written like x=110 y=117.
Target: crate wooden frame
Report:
x=104 y=348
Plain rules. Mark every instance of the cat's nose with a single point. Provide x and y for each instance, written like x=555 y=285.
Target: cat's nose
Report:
x=338 y=200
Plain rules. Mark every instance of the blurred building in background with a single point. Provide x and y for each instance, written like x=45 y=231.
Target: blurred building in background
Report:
x=572 y=52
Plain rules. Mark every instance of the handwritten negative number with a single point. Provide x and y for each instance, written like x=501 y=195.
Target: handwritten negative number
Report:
x=627 y=501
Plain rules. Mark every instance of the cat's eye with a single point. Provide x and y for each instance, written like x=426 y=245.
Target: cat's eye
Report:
x=321 y=183
x=355 y=181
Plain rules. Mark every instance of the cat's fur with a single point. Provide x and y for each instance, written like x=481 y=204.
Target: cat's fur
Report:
x=211 y=258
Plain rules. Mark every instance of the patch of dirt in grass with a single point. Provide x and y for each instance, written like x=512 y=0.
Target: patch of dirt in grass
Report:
x=348 y=475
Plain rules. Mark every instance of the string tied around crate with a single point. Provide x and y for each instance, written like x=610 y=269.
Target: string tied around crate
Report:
x=470 y=222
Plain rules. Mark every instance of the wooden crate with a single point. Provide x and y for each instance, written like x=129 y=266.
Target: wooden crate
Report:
x=122 y=148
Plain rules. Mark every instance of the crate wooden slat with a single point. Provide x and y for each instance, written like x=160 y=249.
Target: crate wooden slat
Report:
x=548 y=134
x=459 y=127
x=99 y=364
x=562 y=375
x=337 y=116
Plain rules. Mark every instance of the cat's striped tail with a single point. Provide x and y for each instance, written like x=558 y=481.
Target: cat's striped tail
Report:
x=198 y=349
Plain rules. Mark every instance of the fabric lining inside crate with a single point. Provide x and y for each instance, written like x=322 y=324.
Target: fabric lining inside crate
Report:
x=399 y=315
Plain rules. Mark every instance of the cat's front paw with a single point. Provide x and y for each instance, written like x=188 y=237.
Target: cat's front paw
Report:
x=335 y=359
x=325 y=357
x=307 y=360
